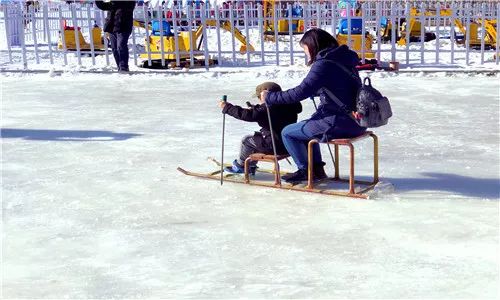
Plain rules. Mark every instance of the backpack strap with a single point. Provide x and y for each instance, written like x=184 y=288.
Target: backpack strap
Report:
x=339 y=103
x=335 y=98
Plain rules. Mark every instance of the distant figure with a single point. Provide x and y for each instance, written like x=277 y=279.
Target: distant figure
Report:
x=119 y=24
x=260 y=141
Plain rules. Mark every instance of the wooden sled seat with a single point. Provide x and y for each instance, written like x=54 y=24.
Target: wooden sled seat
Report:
x=349 y=143
x=267 y=158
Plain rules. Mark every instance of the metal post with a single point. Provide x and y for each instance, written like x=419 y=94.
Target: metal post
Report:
x=162 y=46
x=467 y=32
x=438 y=23
x=47 y=28
x=205 y=36
x=192 y=43
x=349 y=25
x=91 y=36
x=8 y=33
x=247 y=32
x=290 y=30
x=363 y=38
x=106 y=43
x=407 y=32
x=483 y=31
x=22 y=37
x=231 y=18
x=318 y=16
x=77 y=37
x=422 y=33
x=378 y=13
x=63 y=37
x=146 y=27
x=276 y=40
x=261 y=32
x=393 y=33
x=452 y=34
x=336 y=162
x=217 y=28
x=33 y=28
x=334 y=20
x=351 y=168
x=176 y=36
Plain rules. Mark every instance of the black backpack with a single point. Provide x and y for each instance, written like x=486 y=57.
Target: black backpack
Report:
x=372 y=108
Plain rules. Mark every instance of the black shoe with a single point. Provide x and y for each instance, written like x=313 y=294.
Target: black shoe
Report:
x=319 y=171
x=299 y=175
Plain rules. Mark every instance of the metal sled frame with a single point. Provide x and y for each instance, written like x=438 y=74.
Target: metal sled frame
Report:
x=367 y=185
x=349 y=143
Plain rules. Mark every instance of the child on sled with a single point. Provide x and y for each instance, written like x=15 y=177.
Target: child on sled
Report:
x=260 y=141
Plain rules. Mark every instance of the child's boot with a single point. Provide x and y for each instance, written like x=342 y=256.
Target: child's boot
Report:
x=235 y=168
x=239 y=168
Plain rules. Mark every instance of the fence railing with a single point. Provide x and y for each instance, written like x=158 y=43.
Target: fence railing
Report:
x=466 y=32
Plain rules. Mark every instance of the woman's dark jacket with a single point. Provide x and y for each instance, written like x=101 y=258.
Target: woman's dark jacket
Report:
x=281 y=116
x=120 y=16
x=330 y=121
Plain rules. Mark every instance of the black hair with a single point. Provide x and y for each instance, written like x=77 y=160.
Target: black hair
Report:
x=316 y=40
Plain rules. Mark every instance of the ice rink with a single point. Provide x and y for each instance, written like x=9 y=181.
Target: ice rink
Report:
x=93 y=206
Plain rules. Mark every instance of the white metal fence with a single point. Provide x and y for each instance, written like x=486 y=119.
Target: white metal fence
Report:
x=33 y=32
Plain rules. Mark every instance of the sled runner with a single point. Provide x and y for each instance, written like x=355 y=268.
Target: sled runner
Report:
x=328 y=186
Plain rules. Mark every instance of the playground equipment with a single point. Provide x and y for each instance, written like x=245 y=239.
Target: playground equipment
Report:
x=415 y=29
x=414 y=26
x=490 y=28
x=358 y=40
x=186 y=41
x=270 y=7
x=72 y=41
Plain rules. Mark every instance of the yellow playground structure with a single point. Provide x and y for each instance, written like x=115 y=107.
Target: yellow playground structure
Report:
x=413 y=26
x=270 y=7
x=473 y=30
x=358 y=39
x=72 y=41
x=186 y=41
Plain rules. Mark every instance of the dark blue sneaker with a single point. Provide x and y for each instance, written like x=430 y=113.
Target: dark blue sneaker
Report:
x=236 y=168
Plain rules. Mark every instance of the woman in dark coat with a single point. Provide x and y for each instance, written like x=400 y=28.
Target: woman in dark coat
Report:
x=119 y=24
x=329 y=121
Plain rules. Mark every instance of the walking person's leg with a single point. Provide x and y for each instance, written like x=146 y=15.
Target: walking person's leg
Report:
x=114 y=48
x=122 y=43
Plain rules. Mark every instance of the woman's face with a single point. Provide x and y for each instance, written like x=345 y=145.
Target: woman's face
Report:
x=306 y=51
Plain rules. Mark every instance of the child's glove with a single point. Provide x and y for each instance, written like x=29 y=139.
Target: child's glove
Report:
x=222 y=104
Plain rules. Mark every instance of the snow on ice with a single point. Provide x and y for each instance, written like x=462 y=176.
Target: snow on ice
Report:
x=93 y=206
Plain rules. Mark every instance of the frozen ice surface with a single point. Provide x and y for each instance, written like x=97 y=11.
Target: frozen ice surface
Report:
x=93 y=206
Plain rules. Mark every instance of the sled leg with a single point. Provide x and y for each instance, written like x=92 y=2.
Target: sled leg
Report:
x=310 y=159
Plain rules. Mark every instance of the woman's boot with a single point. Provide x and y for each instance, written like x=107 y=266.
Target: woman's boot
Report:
x=319 y=171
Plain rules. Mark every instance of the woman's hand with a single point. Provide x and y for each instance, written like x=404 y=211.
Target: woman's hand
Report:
x=222 y=104
x=263 y=96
